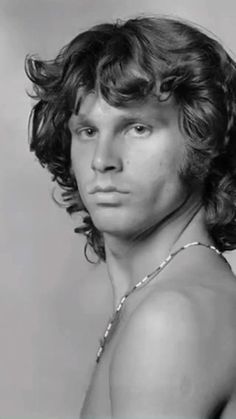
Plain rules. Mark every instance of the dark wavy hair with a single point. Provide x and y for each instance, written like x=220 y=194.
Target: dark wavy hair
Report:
x=130 y=60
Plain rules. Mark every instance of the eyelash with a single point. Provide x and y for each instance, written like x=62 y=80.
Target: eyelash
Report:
x=145 y=130
x=85 y=130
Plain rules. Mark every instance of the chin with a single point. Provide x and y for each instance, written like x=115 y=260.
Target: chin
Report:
x=117 y=223
x=110 y=220
x=108 y=224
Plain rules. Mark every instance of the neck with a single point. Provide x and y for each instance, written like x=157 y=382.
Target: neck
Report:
x=128 y=261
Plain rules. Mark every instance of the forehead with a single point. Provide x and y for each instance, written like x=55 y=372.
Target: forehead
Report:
x=92 y=105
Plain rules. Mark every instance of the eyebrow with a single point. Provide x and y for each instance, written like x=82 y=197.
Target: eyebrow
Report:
x=127 y=117
x=82 y=119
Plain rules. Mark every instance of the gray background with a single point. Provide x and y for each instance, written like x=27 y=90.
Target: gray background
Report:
x=53 y=305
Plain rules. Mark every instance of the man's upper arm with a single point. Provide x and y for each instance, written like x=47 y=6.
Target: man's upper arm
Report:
x=162 y=363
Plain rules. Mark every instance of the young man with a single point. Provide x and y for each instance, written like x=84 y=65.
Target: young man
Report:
x=136 y=122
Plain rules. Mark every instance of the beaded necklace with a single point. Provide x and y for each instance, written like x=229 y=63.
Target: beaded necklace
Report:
x=141 y=283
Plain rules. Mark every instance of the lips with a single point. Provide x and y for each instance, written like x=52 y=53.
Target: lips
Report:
x=105 y=189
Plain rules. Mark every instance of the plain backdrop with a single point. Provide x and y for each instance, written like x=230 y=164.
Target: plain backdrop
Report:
x=53 y=304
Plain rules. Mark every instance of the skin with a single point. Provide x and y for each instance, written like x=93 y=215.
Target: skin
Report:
x=108 y=145
x=169 y=329
x=137 y=149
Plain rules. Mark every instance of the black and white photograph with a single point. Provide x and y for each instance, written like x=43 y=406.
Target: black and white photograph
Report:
x=118 y=209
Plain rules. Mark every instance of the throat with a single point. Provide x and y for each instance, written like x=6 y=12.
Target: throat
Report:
x=129 y=261
x=142 y=283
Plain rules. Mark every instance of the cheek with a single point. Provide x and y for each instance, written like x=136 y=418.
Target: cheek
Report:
x=80 y=164
x=157 y=176
x=158 y=164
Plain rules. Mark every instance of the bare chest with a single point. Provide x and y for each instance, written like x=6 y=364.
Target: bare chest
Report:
x=97 y=402
x=97 y=399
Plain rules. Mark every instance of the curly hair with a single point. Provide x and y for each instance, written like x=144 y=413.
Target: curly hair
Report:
x=130 y=60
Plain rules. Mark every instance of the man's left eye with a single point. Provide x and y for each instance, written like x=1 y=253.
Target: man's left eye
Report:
x=139 y=130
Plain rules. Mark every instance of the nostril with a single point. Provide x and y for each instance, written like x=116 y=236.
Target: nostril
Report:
x=110 y=168
x=102 y=164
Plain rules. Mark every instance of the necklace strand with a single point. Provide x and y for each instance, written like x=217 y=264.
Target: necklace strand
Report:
x=139 y=284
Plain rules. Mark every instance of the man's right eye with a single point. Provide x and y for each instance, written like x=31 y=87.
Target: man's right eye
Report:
x=86 y=133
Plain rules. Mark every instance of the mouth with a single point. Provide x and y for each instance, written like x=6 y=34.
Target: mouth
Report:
x=108 y=189
x=107 y=195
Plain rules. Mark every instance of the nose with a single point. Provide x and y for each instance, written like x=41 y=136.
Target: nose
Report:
x=107 y=157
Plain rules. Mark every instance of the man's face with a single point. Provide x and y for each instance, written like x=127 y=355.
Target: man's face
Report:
x=126 y=161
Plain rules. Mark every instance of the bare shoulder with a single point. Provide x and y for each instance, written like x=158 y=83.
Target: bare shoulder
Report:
x=192 y=315
x=198 y=311
x=177 y=352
